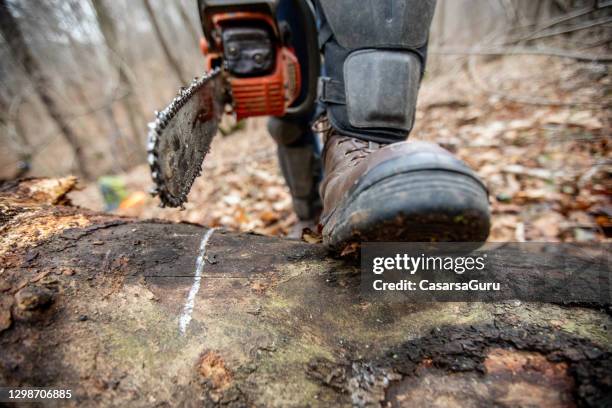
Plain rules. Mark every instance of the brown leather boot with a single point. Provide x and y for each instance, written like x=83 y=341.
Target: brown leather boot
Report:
x=406 y=191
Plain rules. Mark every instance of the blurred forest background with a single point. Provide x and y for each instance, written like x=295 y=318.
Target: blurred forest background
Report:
x=518 y=88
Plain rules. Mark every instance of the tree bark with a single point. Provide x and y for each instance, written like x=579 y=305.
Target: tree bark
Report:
x=111 y=308
x=20 y=52
x=174 y=65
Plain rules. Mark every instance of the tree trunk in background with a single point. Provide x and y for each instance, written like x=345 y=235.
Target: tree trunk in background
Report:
x=21 y=145
x=270 y=322
x=174 y=65
x=188 y=25
x=104 y=118
x=135 y=114
x=116 y=141
x=21 y=54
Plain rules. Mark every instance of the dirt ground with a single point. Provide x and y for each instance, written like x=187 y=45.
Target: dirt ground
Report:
x=536 y=129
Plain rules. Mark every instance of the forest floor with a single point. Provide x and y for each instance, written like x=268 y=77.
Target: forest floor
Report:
x=536 y=129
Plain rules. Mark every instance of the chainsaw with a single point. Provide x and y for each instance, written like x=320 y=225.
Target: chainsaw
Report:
x=251 y=70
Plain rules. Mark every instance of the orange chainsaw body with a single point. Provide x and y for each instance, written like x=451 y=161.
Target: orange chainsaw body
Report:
x=263 y=95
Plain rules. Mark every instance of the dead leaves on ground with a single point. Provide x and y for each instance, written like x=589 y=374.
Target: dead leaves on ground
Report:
x=547 y=167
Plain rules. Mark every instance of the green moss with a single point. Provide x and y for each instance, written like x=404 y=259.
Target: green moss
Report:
x=281 y=374
x=585 y=323
x=594 y=330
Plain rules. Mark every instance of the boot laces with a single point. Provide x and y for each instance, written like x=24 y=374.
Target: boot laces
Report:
x=359 y=149
x=322 y=125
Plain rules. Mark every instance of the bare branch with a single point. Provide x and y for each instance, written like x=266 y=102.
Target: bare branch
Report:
x=162 y=42
x=539 y=33
x=507 y=51
x=528 y=100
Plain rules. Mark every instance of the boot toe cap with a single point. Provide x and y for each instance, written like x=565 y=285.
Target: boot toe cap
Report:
x=424 y=194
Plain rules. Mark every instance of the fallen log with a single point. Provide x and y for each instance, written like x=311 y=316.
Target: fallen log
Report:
x=127 y=312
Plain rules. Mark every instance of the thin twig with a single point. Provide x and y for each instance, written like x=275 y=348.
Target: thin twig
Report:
x=95 y=109
x=539 y=34
x=502 y=51
x=577 y=27
x=561 y=19
x=523 y=99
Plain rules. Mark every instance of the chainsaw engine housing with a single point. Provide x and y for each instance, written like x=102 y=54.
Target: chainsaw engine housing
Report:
x=262 y=70
x=248 y=51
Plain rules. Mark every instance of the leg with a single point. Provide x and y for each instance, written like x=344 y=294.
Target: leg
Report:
x=298 y=151
x=375 y=53
x=378 y=187
x=298 y=155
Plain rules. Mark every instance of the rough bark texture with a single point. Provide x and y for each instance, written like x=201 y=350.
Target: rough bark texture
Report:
x=21 y=54
x=93 y=301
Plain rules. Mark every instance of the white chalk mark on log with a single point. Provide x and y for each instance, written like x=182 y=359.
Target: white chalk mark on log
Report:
x=200 y=261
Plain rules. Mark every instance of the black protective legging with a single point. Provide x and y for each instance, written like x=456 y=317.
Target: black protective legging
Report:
x=287 y=12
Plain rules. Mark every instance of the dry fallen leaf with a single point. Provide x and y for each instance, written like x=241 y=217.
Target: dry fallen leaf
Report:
x=311 y=237
x=350 y=249
x=544 y=166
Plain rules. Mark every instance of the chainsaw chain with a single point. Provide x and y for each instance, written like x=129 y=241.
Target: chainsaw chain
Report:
x=156 y=129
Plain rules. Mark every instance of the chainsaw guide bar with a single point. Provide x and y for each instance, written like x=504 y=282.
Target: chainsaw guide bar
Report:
x=180 y=137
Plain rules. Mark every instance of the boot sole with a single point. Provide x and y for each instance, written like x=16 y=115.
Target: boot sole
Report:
x=417 y=206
